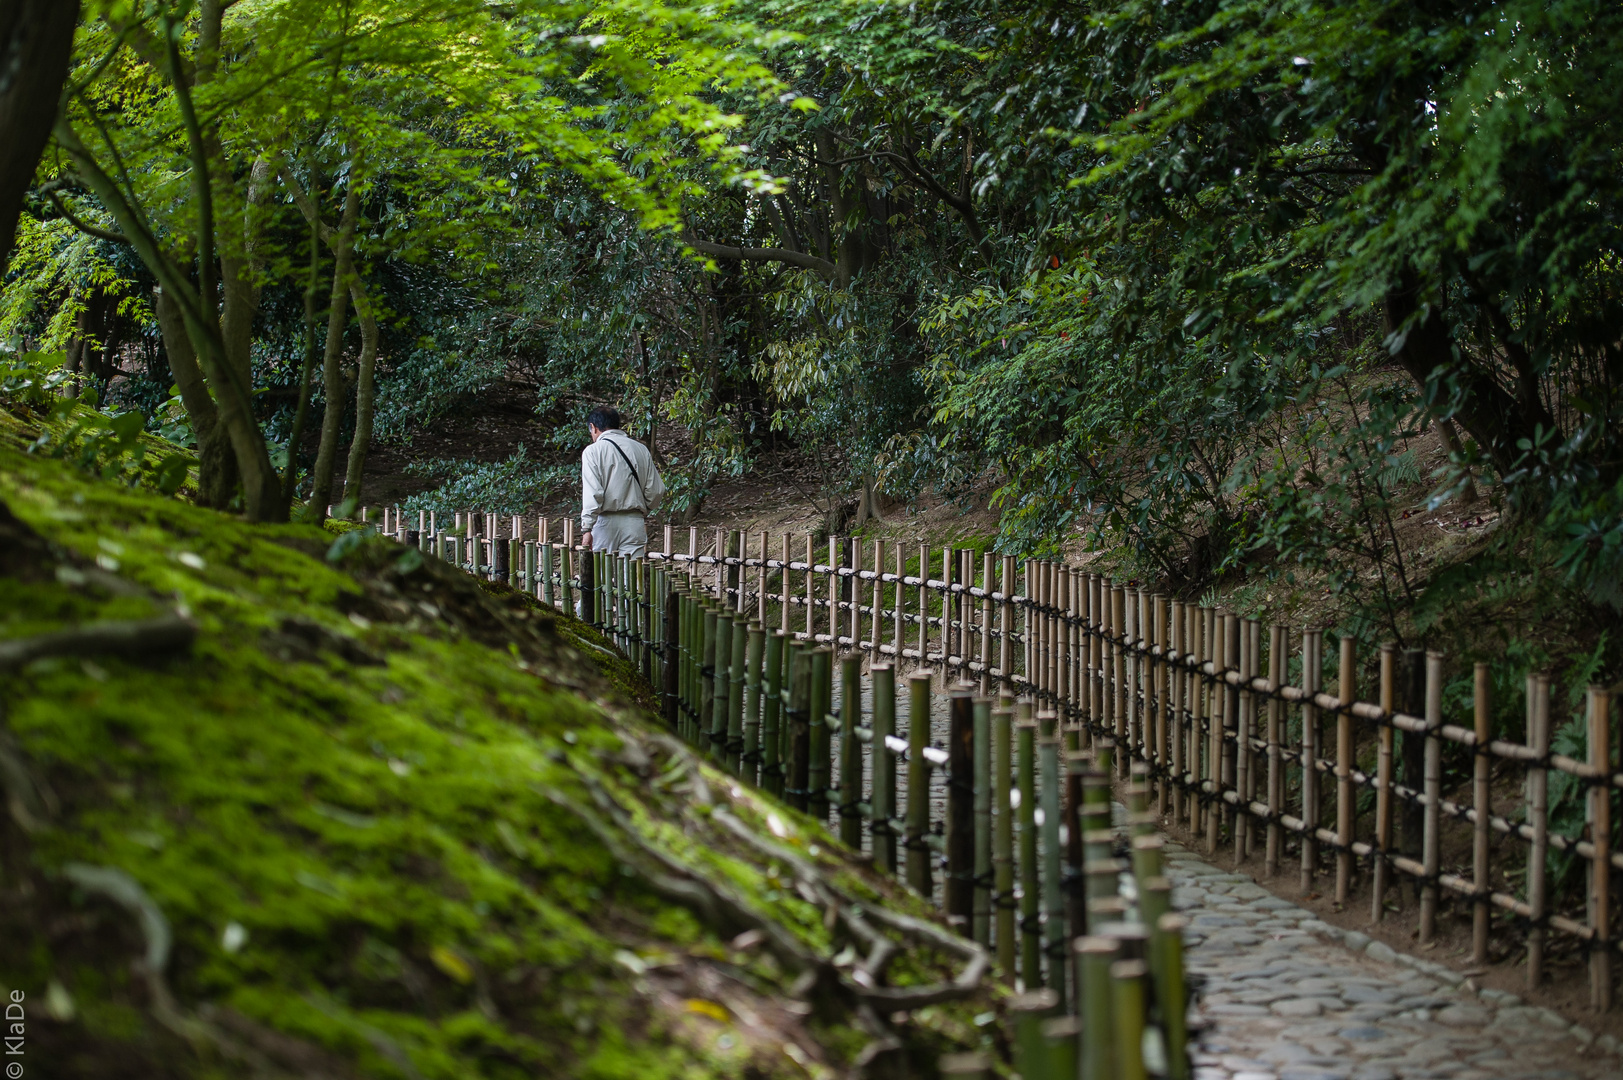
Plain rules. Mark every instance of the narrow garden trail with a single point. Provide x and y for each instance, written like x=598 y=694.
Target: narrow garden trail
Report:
x=1288 y=997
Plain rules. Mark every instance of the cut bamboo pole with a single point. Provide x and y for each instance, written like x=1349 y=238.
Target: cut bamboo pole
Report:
x=988 y=562
x=811 y=591
x=1482 y=716
x=918 y=783
x=1029 y=1010
x=1005 y=661
x=736 y=676
x=981 y=906
x=1127 y=1005
x=707 y=674
x=1003 y=900
x=1346 y=692
x=717 y=728
x=924 y=605
x=1053 y=894
x=783 y=581
x=1211 y=654
x=899 y=636
x=1383 y=785
x=1538 y=781
x=1026 y=767
x=883 y=830
x=851 y=769
x=1278 y=649
x=1074 y=880
x=1311 y=673
x=819 y=705
x=797 y=719
x=1432 y=835
x=1060 y=1036
x=1093 y=957
x=960 y=832
x=1234 y=629
x=879 y=619
x=1599 y=814
x=1118 y=677
x=1171 y=994
x=971 y=1066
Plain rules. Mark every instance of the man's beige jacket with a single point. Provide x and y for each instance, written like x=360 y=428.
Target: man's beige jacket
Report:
x=609 y=487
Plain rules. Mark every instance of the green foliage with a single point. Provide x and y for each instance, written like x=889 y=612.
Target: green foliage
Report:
x=503 y=487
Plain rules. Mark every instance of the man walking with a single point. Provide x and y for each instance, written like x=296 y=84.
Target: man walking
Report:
x=620 y=487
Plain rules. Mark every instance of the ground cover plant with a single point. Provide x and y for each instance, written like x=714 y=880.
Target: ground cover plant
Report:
x=289 y=802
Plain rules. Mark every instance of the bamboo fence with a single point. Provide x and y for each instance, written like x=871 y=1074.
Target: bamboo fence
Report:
x=741 y=633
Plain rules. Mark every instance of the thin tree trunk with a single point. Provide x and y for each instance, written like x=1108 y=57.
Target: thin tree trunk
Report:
x=332 y=375
x=301 y=414
x=363 y=392
x=36 y=38
x=216 y=463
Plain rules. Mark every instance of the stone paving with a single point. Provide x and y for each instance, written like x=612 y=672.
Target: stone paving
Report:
x=1288 y=997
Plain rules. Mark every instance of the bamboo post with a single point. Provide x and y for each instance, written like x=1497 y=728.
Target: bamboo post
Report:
x=851 y=750
x=670 y=672
x=737 y=677
x=924 y=607
x=1195 y=702
x=1482 y=715
x=1132 y=632
x=971 y=1066
x=1005 y=661
x=1127 y=1003
x=716 y=730
x=755 y=656
x=878 y=600
x=811 y=590
x=799 y=725
x=707 y=674
x=1160 y=645
x=1093 y=957
x=834 y=591
x=1118 y=677
x=1025 y=730
x=918 y=783
x=960 y=845
x=1029 y=1010
x=760 y=593
x=1003 y=901
x=1278 y=648
x=988 y=561
x=1212 y=653
x=1347 y=693
x=1171 y=994
x=1383 y=785
x=1053 y=894
x=819 y=706
x=899 y=633
x=1239 y=657
x=883 y=829
x=981 y=905
x=1060 y=1037
x=1431 y=851
x=1538 y=781
x=771 y=713
x=783 y=582
x=1599 y=814
x=1074 y=877
x=1311 y=673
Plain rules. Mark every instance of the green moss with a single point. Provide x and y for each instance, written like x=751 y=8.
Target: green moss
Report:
x=368 y=858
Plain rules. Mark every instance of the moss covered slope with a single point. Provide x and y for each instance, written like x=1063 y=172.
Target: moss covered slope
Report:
x=379 y=819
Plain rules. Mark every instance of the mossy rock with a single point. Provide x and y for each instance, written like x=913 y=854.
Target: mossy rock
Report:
x=394 y=822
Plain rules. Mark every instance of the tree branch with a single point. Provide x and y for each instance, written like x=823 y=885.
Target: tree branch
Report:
x=764 y=255
x=85 y=227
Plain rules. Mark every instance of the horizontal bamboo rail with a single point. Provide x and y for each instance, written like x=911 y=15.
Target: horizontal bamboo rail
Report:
x=1232 y=748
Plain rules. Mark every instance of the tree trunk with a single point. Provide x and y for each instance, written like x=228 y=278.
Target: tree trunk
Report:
x=240 y=283
x=1494 y=418
x=363 y=392
x=301 y=413
x=216 y=463
x=332 y=375
x=36 y=38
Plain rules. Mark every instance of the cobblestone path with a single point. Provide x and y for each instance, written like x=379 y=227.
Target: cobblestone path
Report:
x=1288 y=997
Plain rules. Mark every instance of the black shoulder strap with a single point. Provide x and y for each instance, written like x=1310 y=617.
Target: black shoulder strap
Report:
x=630 y=466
